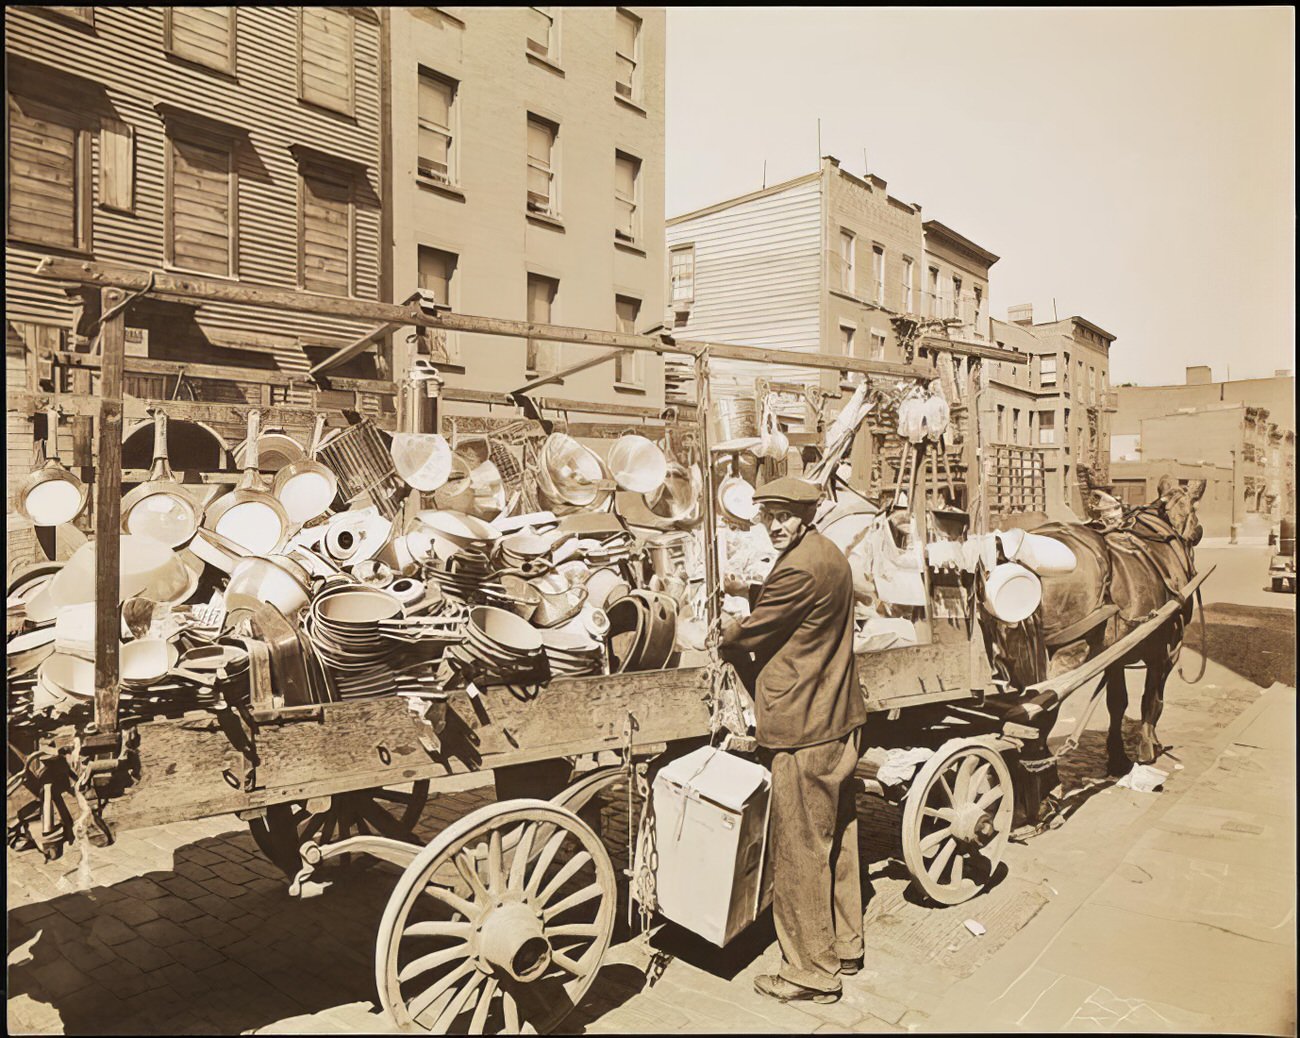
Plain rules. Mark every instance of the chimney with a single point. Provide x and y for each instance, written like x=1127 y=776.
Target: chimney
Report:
x=1199 y=375
x=1021 y=313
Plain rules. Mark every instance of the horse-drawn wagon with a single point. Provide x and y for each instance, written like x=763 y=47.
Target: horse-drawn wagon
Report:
x=502 y=920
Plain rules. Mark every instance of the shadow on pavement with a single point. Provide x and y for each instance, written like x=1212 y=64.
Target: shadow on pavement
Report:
x=1255 y=642
x=198 y=950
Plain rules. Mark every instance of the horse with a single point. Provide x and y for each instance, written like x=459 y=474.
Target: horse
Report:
x=1128 y=567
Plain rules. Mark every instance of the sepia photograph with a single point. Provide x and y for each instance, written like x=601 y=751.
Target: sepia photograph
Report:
x=642 y=520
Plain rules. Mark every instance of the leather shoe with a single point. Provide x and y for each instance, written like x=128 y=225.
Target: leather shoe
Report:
x=851 y=967
x=777 y=987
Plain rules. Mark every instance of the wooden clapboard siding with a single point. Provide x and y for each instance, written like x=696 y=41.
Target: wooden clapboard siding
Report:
x=326 y=63
x=125 y=53
x=47 y=191
x=202 y=34
x=757 y=279
x=200 y=211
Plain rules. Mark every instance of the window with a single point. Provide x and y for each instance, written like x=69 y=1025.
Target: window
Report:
x=1015 y=425
x=878 y=273
x=979 y=305
x=325 y=233
x=877 y=345
x=627 y=183
x=49 y=176
x=201 y=197
x=682 y=276
x=543 y=358
x=85 y=15
x=909 y=304
x=1047 y=427
x=325 y=64
x=627 y=47
x=116 y=165
x=541 y=33
x=204 y=35
x=956 y=296
x=437 y=152
x=629 y=368
x=1047 y=371
x=541 y=166
x=1002 y=424
x=437 y=274
x=848 y=246
x=846 y=339
x=932 y=309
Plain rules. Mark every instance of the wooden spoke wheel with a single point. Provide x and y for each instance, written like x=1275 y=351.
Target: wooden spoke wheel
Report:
x=383 y=811
x=499 y=925
x=956 y=821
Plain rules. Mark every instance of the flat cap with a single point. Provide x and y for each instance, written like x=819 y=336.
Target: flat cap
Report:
x=790 y=490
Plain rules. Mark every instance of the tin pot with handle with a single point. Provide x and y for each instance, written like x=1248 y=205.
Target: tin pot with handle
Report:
x=249 y=516
x=51 y=495
x=305 y=487
x=160 y=508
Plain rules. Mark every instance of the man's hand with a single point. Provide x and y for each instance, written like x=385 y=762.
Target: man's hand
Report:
x=733 y=584
x=730 y=628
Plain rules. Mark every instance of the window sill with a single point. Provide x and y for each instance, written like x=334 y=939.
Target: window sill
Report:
x=839 y=293
x=546 y=221
x=450 y=190
x=533 y=375
x=226 y=72
x=629 y=246
x=629 y=104
x=318 y=106
x=172 y=268
x=629 y=387
x=542 y=62
x=80 y=251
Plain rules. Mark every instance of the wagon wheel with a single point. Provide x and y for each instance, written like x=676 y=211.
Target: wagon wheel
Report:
x=382 y=811
x=956 y=821
x=518 y=938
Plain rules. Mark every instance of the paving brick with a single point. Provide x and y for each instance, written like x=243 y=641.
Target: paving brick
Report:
x=179 y=886
x=162 y=932
x=218 y=907
x=132 y=912
x=214 y=932
x=126 y=980
x=60 y=977
x=217 y=885
x=195 y=955
x=111 y=930
x=141 y=953
x=141 y=888
x=183 y=980
x=193 y=870
x=233 y=873
x=86 y=953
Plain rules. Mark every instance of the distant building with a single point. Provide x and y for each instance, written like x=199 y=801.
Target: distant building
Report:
x=1060 y=403
x=1246 y=426
x=527 y=182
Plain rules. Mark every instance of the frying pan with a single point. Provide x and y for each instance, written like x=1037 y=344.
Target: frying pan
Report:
x=248 y=515
x=159 y=507
x=51 y=495
x=306 y=487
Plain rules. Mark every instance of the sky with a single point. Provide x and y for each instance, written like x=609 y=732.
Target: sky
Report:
x=1134 y=167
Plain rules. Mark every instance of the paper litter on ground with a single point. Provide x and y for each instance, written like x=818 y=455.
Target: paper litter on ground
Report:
x=1143 y=779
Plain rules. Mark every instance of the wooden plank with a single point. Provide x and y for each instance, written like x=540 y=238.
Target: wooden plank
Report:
x=368 y=743
x=149 y=366
x=913 y=674
x=108 y=500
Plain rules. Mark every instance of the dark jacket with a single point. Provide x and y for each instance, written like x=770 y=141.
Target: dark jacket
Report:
x=801 y=635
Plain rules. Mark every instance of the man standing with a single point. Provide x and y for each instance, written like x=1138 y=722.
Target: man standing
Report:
x=810 y=710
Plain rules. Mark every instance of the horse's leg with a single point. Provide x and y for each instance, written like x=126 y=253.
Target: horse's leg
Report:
x=1153 y=694
x=1117 y=762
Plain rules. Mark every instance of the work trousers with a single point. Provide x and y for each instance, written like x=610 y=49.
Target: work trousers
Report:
x=816 y=886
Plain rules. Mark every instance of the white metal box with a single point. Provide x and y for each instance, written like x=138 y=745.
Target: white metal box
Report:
x=706 y=838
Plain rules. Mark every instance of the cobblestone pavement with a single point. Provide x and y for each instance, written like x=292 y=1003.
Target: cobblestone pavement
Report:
x=187 y=929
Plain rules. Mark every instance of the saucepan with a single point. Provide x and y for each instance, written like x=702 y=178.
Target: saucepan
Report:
x=250 y=516
x=51 y=495
x=160 y=508
x=305 y=487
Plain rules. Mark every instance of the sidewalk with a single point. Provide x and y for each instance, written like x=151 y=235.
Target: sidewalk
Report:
x=1192 y=929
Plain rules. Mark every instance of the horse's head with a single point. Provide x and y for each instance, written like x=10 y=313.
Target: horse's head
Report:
x=1177 y=505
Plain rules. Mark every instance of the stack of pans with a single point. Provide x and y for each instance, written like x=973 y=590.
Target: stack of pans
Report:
x=466 y=576
x=642 y=632
x=501 y=647
x=571 y=653
x=343 y=624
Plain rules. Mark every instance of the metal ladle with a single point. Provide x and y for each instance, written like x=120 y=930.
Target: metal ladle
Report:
x=51 y=495
x=159 y=507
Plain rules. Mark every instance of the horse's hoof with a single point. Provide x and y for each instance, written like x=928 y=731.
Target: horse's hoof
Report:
x=1118 y=767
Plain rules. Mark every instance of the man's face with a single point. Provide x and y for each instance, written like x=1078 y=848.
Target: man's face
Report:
x=783 y=522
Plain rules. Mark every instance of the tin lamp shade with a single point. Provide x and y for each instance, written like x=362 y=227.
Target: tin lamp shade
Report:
x=51 y=495
x=305 y=487
x=571 y=474
x=252 y=518
x=637 y=464
x=160 y=508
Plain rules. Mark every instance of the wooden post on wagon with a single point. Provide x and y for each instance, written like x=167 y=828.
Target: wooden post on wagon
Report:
x=108 y=507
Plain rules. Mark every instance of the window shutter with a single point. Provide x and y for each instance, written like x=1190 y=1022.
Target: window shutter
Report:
x=629 y=369
x=201 y=216
x=203 y=34
x=116 y=165
x=543 y=357
x=436 y=270
x=325 y=57
x=44 y=178
x=326 y=229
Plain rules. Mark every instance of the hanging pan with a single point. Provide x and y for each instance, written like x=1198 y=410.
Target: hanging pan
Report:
x=51 y=495
x=306 y=487
x=159 y=507
x=249 y=516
